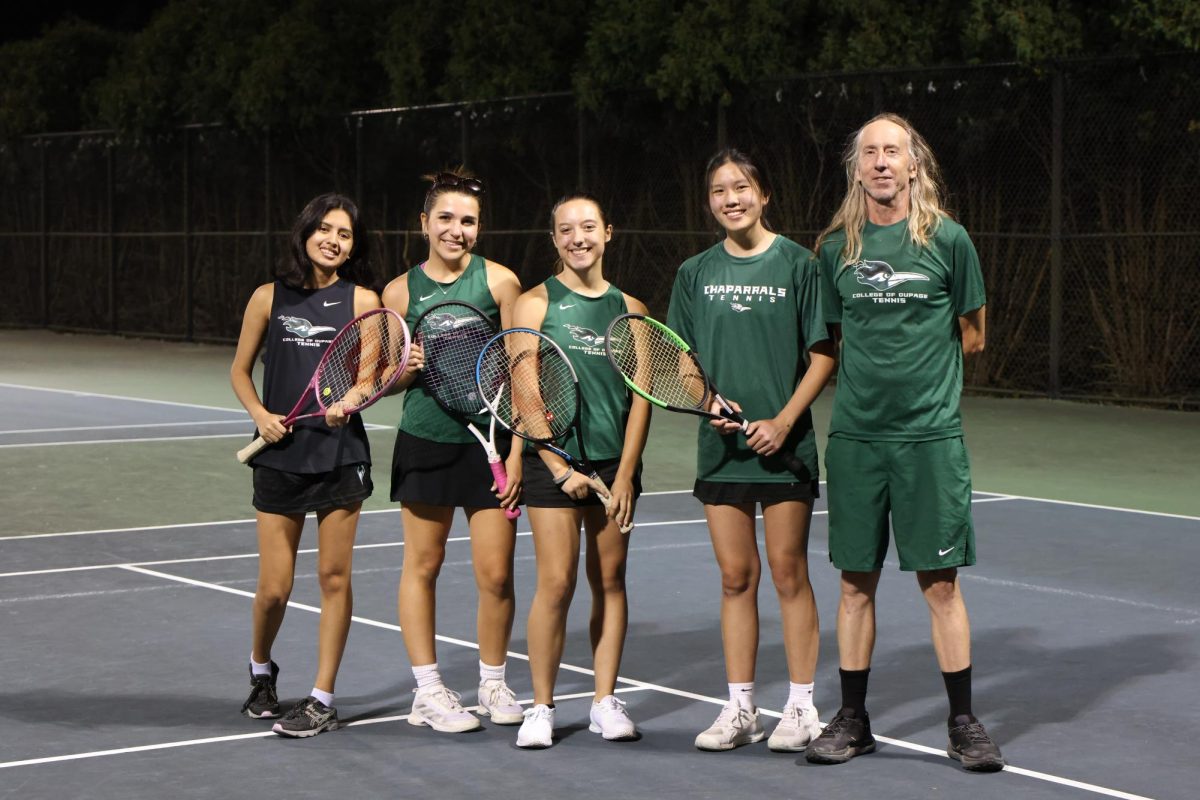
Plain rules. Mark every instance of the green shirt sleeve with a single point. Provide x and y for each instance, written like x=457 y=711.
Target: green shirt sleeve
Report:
x=966 y=276
x=679 y=313
x=831 y=301
x=809 y=304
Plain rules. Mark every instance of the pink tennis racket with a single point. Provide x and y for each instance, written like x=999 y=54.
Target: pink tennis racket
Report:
x=360 y=364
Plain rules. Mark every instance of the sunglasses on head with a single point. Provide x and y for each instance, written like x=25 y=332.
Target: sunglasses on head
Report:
x=451 y=181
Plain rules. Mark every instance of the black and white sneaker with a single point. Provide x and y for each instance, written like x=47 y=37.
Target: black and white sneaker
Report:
x=971 y=745
x=307 y=718
x=262 y=703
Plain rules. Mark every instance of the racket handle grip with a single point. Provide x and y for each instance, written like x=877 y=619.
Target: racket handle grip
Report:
x=251 y=450
x=606 y=499
x=501 y=478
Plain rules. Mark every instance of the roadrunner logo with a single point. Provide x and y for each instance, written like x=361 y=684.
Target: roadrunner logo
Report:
x=585 y=335
x=880 y=276
x=446 y=321
x=738 y=307
x=299 y=326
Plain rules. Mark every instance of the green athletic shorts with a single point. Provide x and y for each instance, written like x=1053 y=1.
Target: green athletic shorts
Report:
x=924 y=486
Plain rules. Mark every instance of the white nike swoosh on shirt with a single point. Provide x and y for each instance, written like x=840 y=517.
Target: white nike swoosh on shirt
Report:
x=334 y=303
x=423 y=298
x=942 y=552
x=561 y=307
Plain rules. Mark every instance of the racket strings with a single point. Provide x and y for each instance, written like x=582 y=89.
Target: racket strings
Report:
x=362 y=361
x=533 y=386
x=657 y=364
x=451 y=345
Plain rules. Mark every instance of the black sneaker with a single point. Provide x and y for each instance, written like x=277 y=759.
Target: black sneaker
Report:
x=262 y=702
x=845 y=737
x=970 y=744
x=307 y=718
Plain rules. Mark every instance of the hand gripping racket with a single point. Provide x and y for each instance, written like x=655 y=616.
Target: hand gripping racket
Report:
x=451 y=336
x=657 y=364
x=529 y=384
x=359 y=365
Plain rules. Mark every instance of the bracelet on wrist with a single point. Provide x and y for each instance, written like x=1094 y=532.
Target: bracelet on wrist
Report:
x=561 y=479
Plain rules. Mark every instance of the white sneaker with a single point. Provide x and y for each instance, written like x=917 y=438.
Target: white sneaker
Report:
x=611 y=720
x=438 y=707
x=499 y=702
x=734 y=727
x=798 y=727
x=537 y=731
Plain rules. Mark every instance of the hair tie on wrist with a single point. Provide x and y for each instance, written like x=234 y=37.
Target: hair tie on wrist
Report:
x=561 y=479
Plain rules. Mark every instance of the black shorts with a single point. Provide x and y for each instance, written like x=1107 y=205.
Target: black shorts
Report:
x=279 y=492
x=541 y=492
x=444 y=473
x=714 y=493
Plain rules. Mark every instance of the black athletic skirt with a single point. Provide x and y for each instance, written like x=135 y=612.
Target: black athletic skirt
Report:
x=442 y=473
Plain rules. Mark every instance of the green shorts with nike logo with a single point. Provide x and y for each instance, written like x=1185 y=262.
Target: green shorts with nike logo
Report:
x=924 y=486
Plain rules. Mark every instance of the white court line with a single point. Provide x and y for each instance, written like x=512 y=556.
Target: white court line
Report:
x=247 y=520
x=129 y=441
x=558 y=698
x=75 y=393
x=1042 y=776
x=126 y=427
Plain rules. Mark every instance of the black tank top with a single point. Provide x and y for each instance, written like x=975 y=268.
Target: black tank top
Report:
x=303 y=322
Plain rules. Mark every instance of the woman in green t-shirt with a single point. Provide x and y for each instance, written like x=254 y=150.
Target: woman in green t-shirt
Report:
x=750 y=308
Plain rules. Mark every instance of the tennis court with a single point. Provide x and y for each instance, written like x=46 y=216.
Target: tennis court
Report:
x=127 y=568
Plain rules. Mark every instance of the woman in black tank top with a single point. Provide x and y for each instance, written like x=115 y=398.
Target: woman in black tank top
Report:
x=322 y=467
x=579 y=294
x=438 y=467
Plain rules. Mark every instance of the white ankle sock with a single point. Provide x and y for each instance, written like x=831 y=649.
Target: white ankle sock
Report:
x=742 y=694
x=259 y=669
x=489 y=673
x=800 y=694
x=427 y=676
x=324 y=697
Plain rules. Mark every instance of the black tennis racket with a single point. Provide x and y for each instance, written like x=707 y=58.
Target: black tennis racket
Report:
x=451 y=336
x=360 y=364
x=529 y=384
x=657 y=364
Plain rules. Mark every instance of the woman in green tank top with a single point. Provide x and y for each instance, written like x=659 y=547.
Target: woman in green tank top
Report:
x=572 y=307
x=750 y=306
x=439 y=467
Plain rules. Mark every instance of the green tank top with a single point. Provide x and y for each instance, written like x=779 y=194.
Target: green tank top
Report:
x=577 y=324
x=422 y=416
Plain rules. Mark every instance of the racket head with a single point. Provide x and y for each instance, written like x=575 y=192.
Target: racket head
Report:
x=363 y=361
x=528 y=384
x=451 y=336
x=657 y=364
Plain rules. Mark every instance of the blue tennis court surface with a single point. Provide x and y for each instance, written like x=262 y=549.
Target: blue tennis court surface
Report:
x=124 y=654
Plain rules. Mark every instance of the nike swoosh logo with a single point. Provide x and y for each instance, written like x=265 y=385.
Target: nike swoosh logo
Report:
x=561 y=307
x=423 y=298
x=944 y=552
x=334 y=303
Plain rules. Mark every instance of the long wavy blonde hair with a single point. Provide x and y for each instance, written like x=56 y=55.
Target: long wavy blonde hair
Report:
x=926 y=193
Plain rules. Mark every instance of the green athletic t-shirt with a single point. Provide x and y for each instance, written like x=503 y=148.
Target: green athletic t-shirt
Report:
x=900 y=375
x=751 y=321
x=422 y=415
x=577 y=324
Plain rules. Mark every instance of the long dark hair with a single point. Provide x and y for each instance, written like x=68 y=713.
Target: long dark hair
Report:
x=743 y=161
x=296 y=270
x=566 y=198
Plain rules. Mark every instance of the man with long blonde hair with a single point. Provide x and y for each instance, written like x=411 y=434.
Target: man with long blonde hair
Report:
x=903 y=290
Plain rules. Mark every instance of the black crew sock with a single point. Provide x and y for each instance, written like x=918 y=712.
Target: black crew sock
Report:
x=958 y=690
x=854 y=690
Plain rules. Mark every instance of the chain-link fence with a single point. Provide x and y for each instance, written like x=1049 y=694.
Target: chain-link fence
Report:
x=1073 y=181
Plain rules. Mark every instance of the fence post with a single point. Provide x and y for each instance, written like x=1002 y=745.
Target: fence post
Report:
x=1054 y=387
x=110 y=239
x=464 y=141
x=189 y=313
x=358 y=163
x=722 y=131
x=44 y=235
x=267 y=196
x=580 y=130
